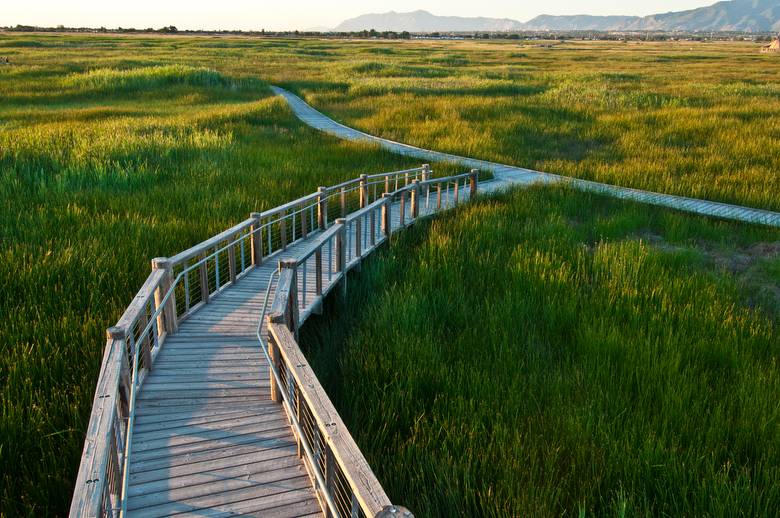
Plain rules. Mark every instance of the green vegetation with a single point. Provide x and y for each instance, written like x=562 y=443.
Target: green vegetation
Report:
x=116 y=150
x=102 y=171
x=548 y=352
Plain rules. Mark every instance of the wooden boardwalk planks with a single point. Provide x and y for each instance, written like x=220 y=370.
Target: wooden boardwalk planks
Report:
x=208 y=440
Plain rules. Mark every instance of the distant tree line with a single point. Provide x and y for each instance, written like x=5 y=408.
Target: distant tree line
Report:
x=405 y=35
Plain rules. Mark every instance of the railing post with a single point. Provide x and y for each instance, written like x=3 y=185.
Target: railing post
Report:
x=203 y=271
x=415 y=193
x=363 y=190
x=426 y=175
x=402 y=214
x=232 y=261
x=343 y=202
x=276 y=360
x=257 y=239
x=292 y=300
x=387 y=228
x=341 y=253
x=322 y=208
x=426 y=172
x=162 y=263
x=387 y=184
x=438 y=196
x=283 y=229
x=119 y=334
x=456 y=193
x=473 y=181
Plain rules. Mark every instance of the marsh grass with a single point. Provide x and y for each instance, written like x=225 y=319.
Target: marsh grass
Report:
x=547 y=352
x=116 y=168
x=114 y=150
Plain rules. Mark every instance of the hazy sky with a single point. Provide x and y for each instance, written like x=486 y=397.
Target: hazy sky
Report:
x=301 y=14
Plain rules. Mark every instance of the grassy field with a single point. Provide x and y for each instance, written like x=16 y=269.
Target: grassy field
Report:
x=101 y=171
x=116 y=150
x=622 y=361
x=685 y=118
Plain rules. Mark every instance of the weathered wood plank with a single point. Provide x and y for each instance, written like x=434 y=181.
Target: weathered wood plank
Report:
x=224 y=497
x=281 y=438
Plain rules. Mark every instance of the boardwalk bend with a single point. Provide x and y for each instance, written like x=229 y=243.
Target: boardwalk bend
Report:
x=511 y=175
x=205 y=404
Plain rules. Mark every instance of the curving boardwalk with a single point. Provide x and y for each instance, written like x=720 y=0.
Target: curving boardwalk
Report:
x=506 y=175
x=214 y=410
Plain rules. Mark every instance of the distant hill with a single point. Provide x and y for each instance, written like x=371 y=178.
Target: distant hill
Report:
x=733 y=15
x=423 y=21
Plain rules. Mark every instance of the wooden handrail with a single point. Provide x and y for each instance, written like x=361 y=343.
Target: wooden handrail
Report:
x=92 y=479
x=205 y=246
x=356 y=470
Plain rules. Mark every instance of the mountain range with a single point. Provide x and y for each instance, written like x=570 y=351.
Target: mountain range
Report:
x=731 y=15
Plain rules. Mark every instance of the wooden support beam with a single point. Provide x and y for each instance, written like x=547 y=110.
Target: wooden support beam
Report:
x=322 y=207
x=402 y=209
x=415 y=194
x=387 y=228
x=203 y=271
x=232 y=262
x=363 y=190
x=169 y=323
x=283 y=229
x=257 y=239
x=341 y=254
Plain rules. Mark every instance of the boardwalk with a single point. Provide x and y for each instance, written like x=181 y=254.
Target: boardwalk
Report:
x=206 y=438
x=506 y=175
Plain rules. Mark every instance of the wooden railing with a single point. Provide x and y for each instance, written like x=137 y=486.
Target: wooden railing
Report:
x=344 y=482
x=180 y=285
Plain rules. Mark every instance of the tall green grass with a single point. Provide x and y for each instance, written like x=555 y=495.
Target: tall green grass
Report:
x=115 y=150
x=92 y=188
x=547 y=353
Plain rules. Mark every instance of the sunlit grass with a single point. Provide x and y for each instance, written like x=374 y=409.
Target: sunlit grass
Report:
x=547 y=352
x=116 y=150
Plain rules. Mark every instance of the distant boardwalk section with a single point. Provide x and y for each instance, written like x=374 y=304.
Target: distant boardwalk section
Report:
x=507 y=175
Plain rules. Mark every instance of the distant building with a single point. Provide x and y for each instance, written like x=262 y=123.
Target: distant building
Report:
x=772 y=47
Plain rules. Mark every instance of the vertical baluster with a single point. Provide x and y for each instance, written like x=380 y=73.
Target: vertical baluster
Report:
x=186 y=292
x=216 y=270
x=243 y=259
x=438 y=196
x=304 y=226
x=318 y=271
x=373 y=227
x=455 y=197
x=293 y=226
x=343 y=202
x=358 y=238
